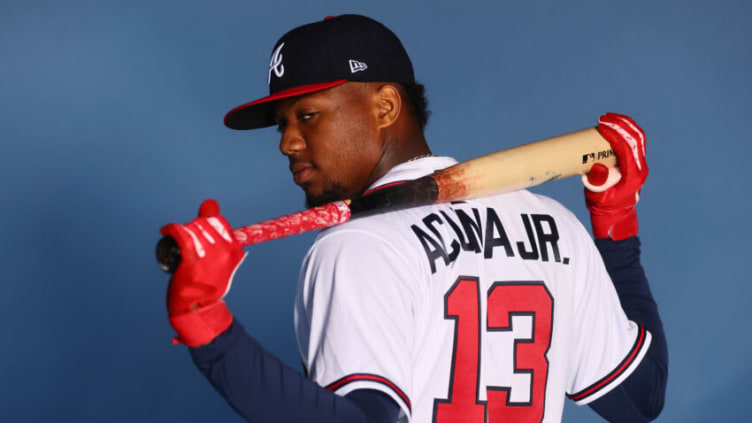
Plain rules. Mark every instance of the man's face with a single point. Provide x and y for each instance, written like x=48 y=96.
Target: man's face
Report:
x=331 y=139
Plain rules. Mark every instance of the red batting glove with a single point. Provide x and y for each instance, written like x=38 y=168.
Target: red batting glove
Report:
x=612 y=210
x=209 y=258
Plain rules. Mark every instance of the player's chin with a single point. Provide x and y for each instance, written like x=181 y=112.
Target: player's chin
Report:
x=330 y=192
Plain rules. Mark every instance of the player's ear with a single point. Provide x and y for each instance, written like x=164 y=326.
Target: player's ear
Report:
x=389 y=105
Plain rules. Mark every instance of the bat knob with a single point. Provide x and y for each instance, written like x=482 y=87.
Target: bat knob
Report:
x=168 y=254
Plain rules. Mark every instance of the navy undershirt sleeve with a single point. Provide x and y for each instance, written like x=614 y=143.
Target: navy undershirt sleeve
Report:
x=262 y=389
x=640 y=397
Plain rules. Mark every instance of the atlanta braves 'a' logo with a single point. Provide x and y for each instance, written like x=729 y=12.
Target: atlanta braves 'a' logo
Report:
x=275 y=64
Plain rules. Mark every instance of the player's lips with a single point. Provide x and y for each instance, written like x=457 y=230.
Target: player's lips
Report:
x=301 y=172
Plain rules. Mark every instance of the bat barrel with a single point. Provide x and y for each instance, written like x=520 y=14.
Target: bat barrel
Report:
x=525 y=166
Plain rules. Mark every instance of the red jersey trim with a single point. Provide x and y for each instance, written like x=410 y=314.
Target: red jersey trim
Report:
x=384 y=186
x=359 y=377
x=620 y=369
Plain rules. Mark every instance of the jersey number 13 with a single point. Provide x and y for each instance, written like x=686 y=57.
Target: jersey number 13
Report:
x=505 y=299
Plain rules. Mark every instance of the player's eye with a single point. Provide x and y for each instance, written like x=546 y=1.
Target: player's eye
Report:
x=281 y=127
x=306 y=116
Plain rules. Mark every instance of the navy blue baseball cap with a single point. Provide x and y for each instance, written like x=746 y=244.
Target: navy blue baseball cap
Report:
x=322 y=55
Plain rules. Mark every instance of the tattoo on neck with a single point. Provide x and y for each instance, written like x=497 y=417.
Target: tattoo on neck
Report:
x=389 y=151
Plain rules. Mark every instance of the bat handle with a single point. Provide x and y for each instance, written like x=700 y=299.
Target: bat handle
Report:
x=168 y=254
x=168 y=251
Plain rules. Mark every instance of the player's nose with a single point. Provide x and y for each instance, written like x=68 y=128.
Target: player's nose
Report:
x=292 y=140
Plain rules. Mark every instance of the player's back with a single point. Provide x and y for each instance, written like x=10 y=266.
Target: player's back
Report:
x=485 y=310
x=501 y=318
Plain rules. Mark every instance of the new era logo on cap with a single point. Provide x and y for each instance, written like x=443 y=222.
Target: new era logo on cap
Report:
x=356 y=66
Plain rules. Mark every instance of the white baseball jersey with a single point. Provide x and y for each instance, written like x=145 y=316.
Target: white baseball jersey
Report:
x=489 y=310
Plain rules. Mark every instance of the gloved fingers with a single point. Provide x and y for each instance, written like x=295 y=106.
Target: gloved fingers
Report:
x=600 y=178
x=636 y=129
x=625 y=122
x=213 y=226
x=221 y=227
x=626 y=138
x=195 y=237
x=620 y=147
x=208 y=208
x=189 y=243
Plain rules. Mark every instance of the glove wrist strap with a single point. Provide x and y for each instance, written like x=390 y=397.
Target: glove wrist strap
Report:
x=201 y=326
x=616 y=227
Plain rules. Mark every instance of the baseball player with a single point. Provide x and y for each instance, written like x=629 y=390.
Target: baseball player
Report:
x=490 y=310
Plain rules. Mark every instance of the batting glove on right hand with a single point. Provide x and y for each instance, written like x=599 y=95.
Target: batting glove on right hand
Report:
x=209 y=258
x=612 y=210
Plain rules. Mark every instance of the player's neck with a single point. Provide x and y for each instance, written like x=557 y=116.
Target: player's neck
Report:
x=400 y=148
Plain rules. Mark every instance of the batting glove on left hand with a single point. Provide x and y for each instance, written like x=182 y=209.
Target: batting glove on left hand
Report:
x=209 y=258
x=611 y=196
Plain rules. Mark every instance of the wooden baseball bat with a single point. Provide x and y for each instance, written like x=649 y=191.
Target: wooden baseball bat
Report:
x=496 y=173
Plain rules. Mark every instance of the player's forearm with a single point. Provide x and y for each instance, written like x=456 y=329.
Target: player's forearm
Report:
x=262 y=389
x=641 y=396
x=622 y=260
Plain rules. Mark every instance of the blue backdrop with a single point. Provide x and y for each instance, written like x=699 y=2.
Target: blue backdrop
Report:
x=111 y=125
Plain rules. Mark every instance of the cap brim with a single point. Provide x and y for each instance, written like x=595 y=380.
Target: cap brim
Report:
x=258 y=113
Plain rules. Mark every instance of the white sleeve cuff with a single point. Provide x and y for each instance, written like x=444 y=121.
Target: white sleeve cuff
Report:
x=616 y=376
x=347 y=384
